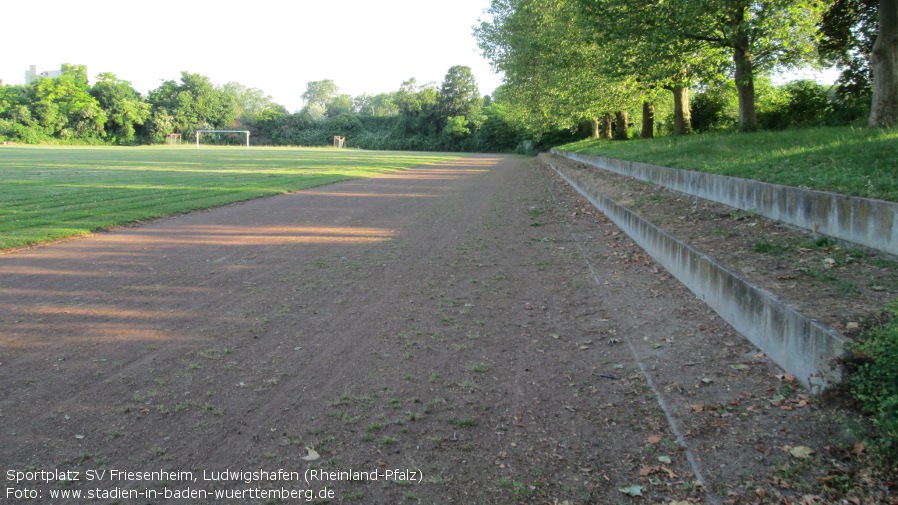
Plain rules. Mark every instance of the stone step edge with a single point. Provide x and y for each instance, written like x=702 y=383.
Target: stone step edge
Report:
x=802 y=346
x=863 y=221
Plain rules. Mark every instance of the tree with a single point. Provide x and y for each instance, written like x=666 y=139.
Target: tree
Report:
x=252 y=104
x=884 y=60
x=638 y=45
x=382 y=104
x=64 y=106
x=194 y=103
x=848 y=30
x=339 y=104
x=124 y=107
x=554 y=75
x=319 y=92
x=460 y=97
x=761 y=35
x=417 y=108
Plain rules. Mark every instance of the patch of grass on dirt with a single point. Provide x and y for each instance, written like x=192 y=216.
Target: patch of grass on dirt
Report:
x=875 y=386
x=853 y=161
x=49 y=192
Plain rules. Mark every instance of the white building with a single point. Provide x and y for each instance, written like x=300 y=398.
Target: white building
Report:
x=32 y=74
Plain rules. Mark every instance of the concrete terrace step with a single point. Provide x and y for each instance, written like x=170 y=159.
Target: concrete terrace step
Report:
x=803 y=346
x=863 y=221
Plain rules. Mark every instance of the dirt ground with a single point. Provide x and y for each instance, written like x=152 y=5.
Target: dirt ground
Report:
x=466 y=333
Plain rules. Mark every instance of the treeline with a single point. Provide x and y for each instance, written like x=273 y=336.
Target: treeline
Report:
x=567 y=62
x=451 y=116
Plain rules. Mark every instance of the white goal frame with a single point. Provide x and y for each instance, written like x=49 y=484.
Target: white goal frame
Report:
x=246 y=132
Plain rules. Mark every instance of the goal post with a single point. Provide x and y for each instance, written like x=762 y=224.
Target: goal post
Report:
x=339 y=141
x=198 y=132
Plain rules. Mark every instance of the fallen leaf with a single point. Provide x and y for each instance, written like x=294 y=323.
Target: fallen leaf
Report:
x=631 y=490
x=707 y=380
x=664 y=459
x=859 y=447
x=801 y=452
x=653 y=439
x=646 y=471
x=312 y=456
x=739 y=367
x=697 y=408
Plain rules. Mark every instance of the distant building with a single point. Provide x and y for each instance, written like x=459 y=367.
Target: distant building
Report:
x=32 y=74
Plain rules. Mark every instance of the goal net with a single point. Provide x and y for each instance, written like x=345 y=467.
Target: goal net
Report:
x=218 y=136
x=339 y=142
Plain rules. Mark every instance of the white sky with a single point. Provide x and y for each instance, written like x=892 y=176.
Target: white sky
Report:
x=364 y=46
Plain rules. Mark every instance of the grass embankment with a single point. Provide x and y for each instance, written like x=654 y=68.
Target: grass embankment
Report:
x=852 y=161
x=47 y=193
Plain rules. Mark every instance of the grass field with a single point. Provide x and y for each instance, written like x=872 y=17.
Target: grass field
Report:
x=47 y=193
x=853 y=161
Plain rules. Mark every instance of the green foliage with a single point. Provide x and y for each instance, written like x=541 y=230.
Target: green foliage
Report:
x=319 y=92
x=456 y=128
x=194 y=103
x=715 y=108
x=875 y=386
x=848 y=30
x=252 y=104
x=125 y=108
x=460 y=97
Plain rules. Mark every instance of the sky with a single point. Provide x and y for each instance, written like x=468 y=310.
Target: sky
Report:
x=364 y=46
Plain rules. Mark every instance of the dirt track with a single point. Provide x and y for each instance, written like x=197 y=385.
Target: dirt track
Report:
x=474 y=321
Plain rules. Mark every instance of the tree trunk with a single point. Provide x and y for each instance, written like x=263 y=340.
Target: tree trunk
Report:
x=621 y=130
x=745 y=85
x=682 y=114
x=606 y=127
x=648 y=120
x=596 y=129
x=884 y=61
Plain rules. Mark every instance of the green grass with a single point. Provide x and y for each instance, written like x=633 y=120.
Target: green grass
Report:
x=47 y=193
x=853 y=161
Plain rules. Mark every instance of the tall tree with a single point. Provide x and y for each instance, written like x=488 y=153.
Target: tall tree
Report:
x=252 y=104
x=554 y=74
x=65 y=106
x=319 y=93
x=124 y=106
x=460 y=97
x=761 y=35
x=848 y=30
x=194 y=103
x=639 y=45
x=884 y=60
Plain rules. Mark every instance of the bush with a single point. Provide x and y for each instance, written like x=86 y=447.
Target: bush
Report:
x=715 y=108
x=875 y=383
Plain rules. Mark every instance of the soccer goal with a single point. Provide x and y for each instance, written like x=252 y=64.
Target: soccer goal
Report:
x=339 y=141
x=173 y=139
x=198 y=132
